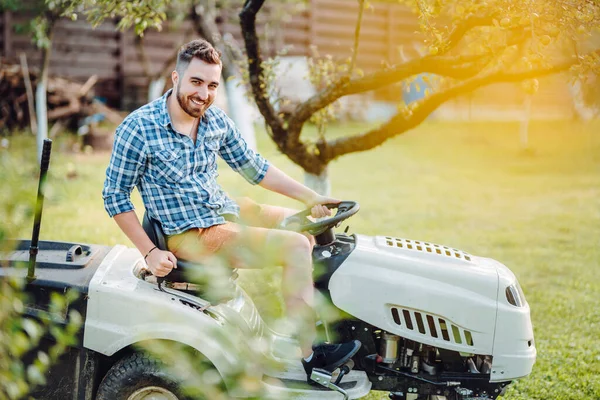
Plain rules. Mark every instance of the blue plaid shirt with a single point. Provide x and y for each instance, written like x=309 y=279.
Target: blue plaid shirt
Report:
x=177 y=178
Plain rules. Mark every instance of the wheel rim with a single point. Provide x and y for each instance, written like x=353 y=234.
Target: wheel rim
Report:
x=152 y=393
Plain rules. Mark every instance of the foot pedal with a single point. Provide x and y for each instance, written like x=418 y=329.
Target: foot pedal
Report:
x=323 y=378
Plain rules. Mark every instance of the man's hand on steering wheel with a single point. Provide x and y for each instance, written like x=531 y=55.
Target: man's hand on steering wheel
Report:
x=300 y=222
x=317 y=207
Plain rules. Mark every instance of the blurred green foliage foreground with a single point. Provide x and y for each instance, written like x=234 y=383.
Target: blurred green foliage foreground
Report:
x=468 y=185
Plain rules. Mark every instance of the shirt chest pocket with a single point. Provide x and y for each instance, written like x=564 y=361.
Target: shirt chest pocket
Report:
x=169 y=165
x=212 y=142
x=211 y=145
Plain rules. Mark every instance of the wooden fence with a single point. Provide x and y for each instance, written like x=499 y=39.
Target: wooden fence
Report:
x=387 y=35
x=78 y=51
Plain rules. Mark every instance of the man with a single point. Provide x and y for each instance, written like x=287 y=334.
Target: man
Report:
x=168 y=149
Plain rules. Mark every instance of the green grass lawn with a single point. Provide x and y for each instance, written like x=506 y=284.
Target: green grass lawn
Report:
x=465 y=185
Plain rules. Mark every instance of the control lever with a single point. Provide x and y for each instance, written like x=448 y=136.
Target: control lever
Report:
x=323 y=378
x=344 y=370
x=159 y=281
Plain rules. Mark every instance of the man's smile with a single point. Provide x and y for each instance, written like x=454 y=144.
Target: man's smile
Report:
x=197 y=102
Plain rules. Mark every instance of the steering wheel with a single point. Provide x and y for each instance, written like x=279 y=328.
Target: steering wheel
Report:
x=299 y=222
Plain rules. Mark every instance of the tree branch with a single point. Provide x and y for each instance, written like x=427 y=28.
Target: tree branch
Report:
x=145 y=61
x=256 y=72
x=400 y=123
x=164 y=70
x=166 y=65
x=461 y=30
x=458 y=67
x=206 y=27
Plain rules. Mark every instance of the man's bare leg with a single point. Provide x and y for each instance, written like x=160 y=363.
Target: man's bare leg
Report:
x=297 y=284
x=272 y=247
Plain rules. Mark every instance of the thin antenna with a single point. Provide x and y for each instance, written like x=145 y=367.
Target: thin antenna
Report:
x=33 y=249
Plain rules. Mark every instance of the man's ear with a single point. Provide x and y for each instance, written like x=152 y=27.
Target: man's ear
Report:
x=174 y=78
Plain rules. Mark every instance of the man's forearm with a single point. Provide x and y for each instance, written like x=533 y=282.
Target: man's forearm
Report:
x=277 y=181
x=130 y=225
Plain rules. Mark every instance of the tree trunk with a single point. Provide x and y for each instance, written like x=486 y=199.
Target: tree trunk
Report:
x=240 y=110
x=41 y=105
x=29 y=92
x=319 y=183
x=156 y=88
x=581 y=109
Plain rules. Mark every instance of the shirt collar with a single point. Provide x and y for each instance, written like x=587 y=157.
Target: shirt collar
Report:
x=164 y=117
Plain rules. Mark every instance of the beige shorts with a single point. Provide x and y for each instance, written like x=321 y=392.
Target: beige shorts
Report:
x=255 y=223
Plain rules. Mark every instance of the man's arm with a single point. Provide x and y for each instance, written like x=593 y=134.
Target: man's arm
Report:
x=277 y=181
x=159 y=262
x=125 y=168
x=256 y=170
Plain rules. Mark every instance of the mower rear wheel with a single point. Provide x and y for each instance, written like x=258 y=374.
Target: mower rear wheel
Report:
x=139 y=377
x=153 y=393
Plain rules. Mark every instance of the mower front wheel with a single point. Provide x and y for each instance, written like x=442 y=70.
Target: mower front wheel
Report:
x=139 y=377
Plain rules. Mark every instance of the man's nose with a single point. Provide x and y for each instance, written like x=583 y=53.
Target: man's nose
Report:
x=202 y=93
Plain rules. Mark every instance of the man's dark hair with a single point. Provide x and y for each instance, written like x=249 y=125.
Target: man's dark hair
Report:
x=200 y=49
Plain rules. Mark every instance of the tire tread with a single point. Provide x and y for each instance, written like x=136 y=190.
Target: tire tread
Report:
x=121 y=375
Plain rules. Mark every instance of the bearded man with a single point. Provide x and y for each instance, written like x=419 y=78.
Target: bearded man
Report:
x=168 y=149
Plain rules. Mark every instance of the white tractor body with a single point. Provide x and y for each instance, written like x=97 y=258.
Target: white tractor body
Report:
x=430 y=294
x=438 y=296
x=124 y=310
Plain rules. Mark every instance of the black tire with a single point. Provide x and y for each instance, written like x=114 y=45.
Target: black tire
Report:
x=134 y=373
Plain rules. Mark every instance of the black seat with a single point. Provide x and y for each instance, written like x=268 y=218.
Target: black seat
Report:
x=154 y=231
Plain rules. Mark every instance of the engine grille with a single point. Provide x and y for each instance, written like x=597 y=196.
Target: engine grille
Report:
x=427 y=248
x=431 y=326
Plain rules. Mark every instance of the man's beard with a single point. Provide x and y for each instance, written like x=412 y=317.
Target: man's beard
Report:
x=186 y=104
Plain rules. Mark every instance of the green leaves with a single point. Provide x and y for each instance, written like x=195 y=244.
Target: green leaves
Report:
x=139 y=14
x=32 y=329
x=22 y=335
x=40 y=27
x=9 y=5
x=323 y=72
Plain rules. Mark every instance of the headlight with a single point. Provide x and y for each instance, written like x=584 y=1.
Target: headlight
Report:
x=515 y=296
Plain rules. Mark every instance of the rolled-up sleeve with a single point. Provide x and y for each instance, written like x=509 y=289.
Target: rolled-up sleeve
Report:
x=125 y=168
x=242 y=159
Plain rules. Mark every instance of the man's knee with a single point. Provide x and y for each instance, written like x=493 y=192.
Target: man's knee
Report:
x=290 y=248
x=297 y=242
x=297 y=263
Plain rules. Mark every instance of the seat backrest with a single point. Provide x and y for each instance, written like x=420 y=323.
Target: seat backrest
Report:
x=154 y=231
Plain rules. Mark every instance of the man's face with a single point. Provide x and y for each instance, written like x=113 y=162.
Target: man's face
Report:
x=197 y=88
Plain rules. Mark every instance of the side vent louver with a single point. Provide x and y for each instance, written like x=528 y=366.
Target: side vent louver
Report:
x=430 y=325
x=427 y=248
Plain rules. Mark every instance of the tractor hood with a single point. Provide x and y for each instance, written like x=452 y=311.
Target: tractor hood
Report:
x=423 y=291
x=438 y=264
